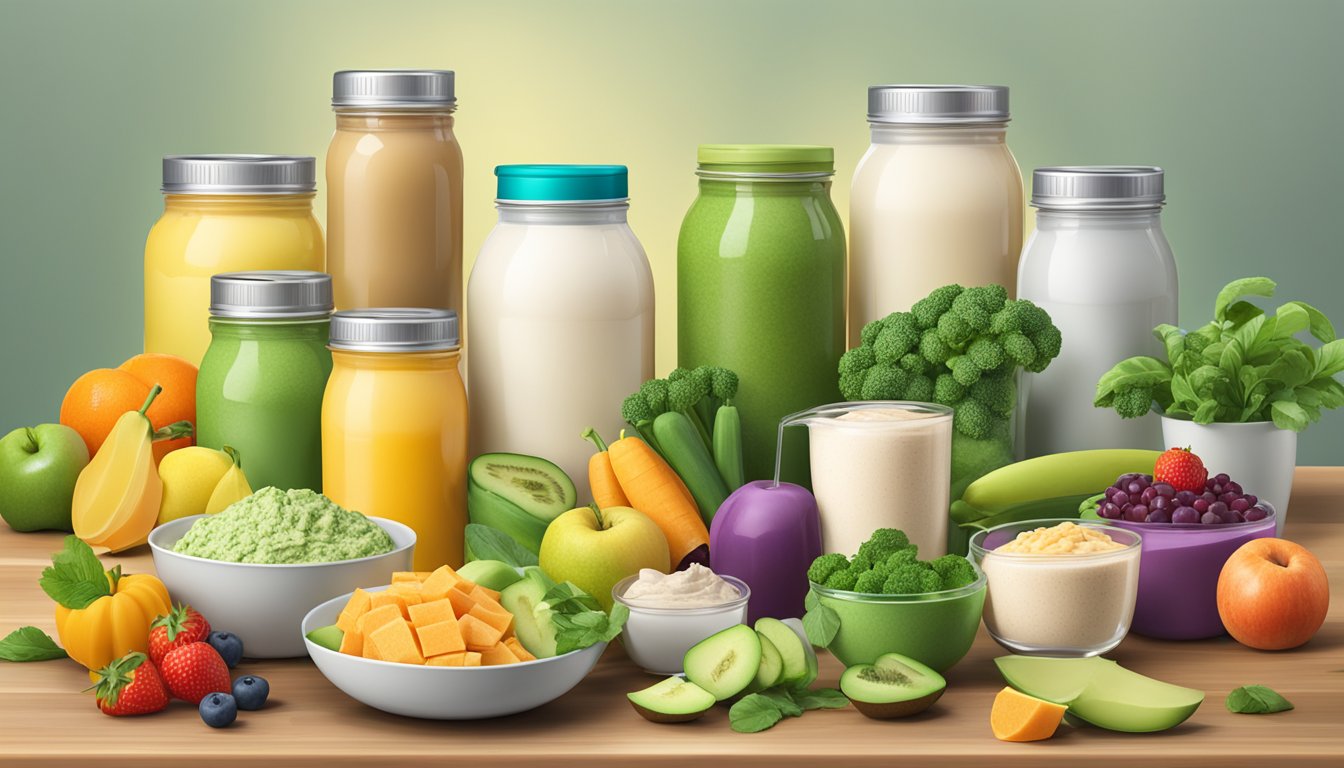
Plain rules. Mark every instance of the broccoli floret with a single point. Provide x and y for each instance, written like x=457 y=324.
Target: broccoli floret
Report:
x=684 y=393
x=859 y=564
x=947 y=390
x=913 y=362
x=1047 y=342
x=870 y=582
x=678 y=373
x=919 y=389
x=964 y=370
x=822 y=568
x=723 y=385
x=868 y=336
x=857 y=360
x=898 y=337
x=635 y=410
x=882 y=544
x=933 y=348
x=843 y=580
x=953 y=330
x=655 y=395
x=912 y=579
x=954 y=571
x=972 y=418
x=927 y=310
x=1134 y=402
x=902 y=556
x=986 y=353
x=1019 y=349
x=976 y=306
x=998 y=394
x=851 y=385
x=884 y=383
x=1010 y=318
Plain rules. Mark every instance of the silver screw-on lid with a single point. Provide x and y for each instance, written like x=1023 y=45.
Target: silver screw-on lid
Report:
x=1097 y=187
x=393 y=88
x=937 y=104
x=394 y=330
x=239 y=174
x=281 y=293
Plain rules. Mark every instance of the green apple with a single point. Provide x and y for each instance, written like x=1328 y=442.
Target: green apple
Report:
x=38 y=469
x=595 y=549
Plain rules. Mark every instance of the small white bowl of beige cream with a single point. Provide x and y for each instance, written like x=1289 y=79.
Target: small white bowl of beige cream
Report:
x=670 y=612
x=1058 y=587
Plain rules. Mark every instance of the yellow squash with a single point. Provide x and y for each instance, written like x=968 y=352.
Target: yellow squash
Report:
x=112 y=625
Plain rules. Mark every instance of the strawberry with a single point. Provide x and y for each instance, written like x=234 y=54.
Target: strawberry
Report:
x=195 y=670
x=182 y=625
x=1181 y=469
x=130 y=686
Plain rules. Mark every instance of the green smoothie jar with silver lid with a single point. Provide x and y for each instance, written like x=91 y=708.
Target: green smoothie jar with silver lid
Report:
x=761 y=289
x=261 y=381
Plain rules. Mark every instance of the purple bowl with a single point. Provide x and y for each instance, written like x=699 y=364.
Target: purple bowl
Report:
x=1178 y=574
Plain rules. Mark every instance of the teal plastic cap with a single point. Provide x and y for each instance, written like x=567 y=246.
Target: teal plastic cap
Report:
x=562 y=182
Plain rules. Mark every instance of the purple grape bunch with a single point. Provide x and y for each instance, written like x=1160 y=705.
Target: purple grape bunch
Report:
x=1137 y=499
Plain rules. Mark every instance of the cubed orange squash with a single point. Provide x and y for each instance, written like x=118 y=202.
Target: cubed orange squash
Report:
x=410 y=591
x=497 y=654
x=352 y=643
x=400 y=576
x=369 y=651
x=377 y=617
x=461 y=602
x=478 y=591
x=1018 y=717
x=437 y=584
x=422 y=575
x=355 y=607
x=387 y=597
x=518 y=650
x=396 y=642
x=471 y=659
x=444 y=637
x=478 y=635
x=492 y=614
x=432 y=612
x=446 y=660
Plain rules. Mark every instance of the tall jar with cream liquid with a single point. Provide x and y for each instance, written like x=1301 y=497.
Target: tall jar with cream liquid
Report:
x=394 y=191
x=937 y=199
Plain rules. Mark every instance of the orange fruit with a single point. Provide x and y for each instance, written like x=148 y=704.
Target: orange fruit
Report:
x=97 y=399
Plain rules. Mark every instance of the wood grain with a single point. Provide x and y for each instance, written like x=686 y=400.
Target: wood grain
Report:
x=45 y=720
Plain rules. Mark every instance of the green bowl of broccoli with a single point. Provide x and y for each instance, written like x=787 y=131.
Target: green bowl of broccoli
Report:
x=886 y=600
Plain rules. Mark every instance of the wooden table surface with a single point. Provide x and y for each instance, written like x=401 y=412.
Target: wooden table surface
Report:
x=46 y=720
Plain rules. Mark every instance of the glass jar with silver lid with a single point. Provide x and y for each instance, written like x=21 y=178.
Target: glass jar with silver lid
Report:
x=1100 y=264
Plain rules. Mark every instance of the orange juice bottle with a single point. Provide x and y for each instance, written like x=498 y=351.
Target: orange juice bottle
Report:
x=394 y=425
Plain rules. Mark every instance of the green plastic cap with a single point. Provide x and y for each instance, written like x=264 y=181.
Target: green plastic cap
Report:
x=766 y=158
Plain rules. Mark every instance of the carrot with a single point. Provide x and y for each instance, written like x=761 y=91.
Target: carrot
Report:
x=654 y=489
x=601 y=479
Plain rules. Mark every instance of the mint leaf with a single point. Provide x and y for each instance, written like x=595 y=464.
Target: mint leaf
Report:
x=486 y=543
x=75 y=577
x=821 y=625
x=578 y=620
x=754 y=713
x=29 y=644
x=821 y=698
x=1256 y=700
x=783 y=701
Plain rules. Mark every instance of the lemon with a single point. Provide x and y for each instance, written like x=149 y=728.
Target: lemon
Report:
x=189 y=478
x=233 y=486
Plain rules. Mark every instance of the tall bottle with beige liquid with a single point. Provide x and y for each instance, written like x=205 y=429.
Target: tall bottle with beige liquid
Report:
x=394 y=191
x=937 y=199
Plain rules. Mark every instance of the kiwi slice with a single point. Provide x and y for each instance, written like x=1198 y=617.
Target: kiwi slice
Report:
x=726 y=662
x=791 y=649
x=537 y=486
x=329 y=636
x=673 y=700
x=893 y=686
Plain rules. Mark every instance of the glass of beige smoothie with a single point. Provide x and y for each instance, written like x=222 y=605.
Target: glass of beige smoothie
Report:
x=1058 y=587
x=880 y=464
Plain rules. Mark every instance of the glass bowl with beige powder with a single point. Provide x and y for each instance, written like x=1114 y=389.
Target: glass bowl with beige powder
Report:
x=1058 y=587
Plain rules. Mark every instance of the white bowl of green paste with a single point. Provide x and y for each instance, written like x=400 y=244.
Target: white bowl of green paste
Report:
x=256 y=568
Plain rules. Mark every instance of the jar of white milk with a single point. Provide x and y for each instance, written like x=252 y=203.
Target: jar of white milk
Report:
x=1099 y=263
x=560 y=315
x=937 y=198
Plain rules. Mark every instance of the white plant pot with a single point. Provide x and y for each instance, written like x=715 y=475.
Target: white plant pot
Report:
x=1259 y=456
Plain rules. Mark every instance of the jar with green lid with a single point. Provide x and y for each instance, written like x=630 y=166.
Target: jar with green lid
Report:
x=262 y=378
x=761 y=289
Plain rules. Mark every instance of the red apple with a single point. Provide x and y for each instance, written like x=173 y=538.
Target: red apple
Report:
x=1272 y=594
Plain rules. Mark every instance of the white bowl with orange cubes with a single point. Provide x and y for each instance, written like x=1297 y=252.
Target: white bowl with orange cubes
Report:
x=435 y=645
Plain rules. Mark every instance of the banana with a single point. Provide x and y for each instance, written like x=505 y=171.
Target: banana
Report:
x=1058 y=482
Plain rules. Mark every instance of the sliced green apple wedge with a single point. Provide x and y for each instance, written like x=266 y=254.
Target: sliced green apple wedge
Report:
x=1102 y=692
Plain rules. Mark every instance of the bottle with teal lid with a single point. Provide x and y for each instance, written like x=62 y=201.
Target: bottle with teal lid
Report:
x=761 y=288
x=261 y=381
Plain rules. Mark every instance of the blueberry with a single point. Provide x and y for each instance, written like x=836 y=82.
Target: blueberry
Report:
x=218 y=710
x=229 y=646
x=251 y=692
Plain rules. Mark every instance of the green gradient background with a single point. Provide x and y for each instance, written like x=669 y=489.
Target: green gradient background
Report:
x=1239 y=101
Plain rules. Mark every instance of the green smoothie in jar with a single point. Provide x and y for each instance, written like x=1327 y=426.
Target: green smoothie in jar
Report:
x=262 y=378
x=761 y=289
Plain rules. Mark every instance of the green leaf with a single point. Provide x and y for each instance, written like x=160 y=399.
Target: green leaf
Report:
x=811 y=601
x=486 y=543
x=1241 y=311
x=784 y=701
x=578 y=620
x=1182 y=394
x=1329 y=359
x=1289 y=415
x=1256 y=700
x=1131 y=373
x=1172 y=338
x=754 y=713
x=29 y=644
x=1290 y=319
x=820 y=698
x=1320 y=325
x=1206 y=412
x=821 y=625
x=1247 y=286
x=75 y=577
